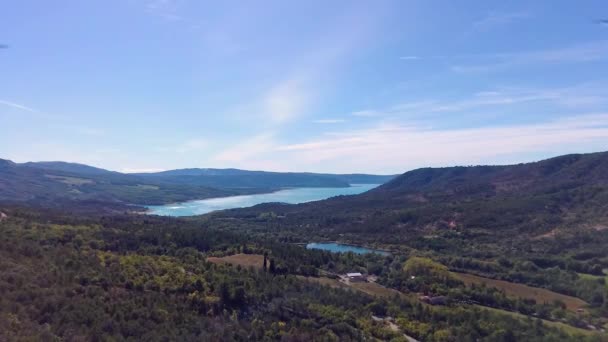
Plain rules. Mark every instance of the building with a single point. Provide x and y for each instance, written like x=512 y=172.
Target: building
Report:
x=356 y=276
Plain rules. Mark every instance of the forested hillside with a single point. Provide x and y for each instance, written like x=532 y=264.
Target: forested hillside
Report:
x=559 y=195
x=60 y=184
x=146 y=278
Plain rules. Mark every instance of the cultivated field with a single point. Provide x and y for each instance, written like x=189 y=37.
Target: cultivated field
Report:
x=522 y=291
x=245 y=260
x=376 y=290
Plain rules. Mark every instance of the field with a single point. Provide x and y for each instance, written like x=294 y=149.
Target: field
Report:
x=70 y=180
x=522 y=291
x=376 y=290
x=245 y=260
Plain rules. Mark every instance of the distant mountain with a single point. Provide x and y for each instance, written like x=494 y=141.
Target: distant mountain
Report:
x=200 y=172
x=52 y=183
x=68 y=167
x=235 y=178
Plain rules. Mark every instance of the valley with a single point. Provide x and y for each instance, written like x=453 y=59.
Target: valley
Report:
x=425 y=255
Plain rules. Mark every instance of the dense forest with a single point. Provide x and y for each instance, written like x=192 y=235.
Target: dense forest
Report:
x=148 y=278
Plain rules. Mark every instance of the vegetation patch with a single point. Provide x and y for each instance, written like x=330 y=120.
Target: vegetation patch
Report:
x=245 y=260
x=522 y=291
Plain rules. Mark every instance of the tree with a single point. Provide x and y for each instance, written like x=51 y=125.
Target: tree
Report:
x=272 y=267
x=265 y=261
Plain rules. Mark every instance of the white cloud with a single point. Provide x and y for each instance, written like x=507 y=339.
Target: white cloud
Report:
x=409 y=58
x=397 y=148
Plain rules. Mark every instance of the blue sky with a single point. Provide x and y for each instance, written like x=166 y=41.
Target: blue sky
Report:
x=331 y=86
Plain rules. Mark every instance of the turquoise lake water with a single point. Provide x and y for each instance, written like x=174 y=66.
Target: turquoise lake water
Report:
x=342 y=248
x=291 y=196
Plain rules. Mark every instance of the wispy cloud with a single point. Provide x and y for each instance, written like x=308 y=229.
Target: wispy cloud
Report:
x=409 y=58
x=32 y=112
x=397 y=148
x=590 y=96
x=499 y=19
x=581 y=53
x=18 y=106
x=302 y=82
x=329 y=121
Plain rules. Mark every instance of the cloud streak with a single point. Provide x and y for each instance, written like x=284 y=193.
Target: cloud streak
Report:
x=390 y=147
x=397 y=148
x=18 y=106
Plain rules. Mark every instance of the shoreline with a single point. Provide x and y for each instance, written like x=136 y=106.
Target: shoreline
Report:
x=150 y=208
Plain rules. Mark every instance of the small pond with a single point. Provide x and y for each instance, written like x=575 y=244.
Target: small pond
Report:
x=342 y=248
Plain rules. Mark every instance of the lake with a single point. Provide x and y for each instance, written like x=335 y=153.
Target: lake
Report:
x=291 y=196
x=342 y=248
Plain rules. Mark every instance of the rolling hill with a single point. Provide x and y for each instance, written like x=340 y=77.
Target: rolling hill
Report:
x=54 y=183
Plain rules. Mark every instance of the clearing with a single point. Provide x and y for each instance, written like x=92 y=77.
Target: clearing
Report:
x=523 y=291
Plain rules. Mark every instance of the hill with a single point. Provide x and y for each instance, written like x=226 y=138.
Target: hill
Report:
x=68 y=167
x=55 y=184
x=236 y=178
x=564 y=193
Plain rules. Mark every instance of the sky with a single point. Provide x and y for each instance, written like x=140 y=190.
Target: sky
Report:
x=321 y=86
